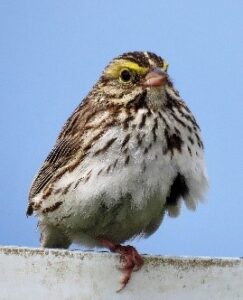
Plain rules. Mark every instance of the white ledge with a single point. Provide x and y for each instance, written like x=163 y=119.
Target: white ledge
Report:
x=60 y=274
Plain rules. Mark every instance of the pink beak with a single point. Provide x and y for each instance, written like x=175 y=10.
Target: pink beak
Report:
x=155 y=78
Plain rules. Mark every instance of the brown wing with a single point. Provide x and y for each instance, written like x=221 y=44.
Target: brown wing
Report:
x=71 y=147
x=67 y=145
x=59 y=156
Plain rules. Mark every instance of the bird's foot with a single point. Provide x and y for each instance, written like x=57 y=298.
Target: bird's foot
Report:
x=130 y=258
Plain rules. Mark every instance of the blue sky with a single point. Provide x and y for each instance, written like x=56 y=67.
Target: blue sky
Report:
x=51 y=54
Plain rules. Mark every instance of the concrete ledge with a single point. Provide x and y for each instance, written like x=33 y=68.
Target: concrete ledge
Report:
x=59 y=274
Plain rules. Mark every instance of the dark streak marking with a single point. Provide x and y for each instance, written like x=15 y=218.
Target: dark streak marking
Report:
x=126 y=139
x=142 y=122
x=52 y=208
x=189 y=150
x=139 y=139
x=154 y=129
x=149 y=113
x=66 y=189
x=126 y=122
x=47 y=192
x=125 y=150
x=177 y=131
x=78 y=182
x=138 y=102
x=106 y=147
x=164 y=120
x=191 y=140
x=178 y=120
x=99 y=172
x=115 y=163
x=88 y=176
x=127 y=160
x=173 y=142
x=57 y=191
x=189 y=128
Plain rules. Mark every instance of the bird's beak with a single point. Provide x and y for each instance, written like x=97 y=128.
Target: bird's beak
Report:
x=155 y=78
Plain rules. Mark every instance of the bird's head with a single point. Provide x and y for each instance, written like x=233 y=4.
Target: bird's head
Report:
x=134 y=74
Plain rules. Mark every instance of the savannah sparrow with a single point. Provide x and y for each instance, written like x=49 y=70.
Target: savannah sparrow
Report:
x=129 y=153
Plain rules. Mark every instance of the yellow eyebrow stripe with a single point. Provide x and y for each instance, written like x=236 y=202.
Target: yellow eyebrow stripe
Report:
x=113 y=71
x=166 y=65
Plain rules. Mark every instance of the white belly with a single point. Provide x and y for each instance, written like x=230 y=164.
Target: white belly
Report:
x=127 y=198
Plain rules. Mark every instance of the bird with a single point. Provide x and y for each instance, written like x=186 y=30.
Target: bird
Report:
x=130 y=153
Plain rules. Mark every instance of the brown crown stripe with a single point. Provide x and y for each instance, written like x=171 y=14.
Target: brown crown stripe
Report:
x=157 y=59
x=105 y=147
x=52 y=208
x=137 y=57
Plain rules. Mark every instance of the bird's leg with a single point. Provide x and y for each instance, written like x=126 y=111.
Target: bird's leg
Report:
x=130 y=258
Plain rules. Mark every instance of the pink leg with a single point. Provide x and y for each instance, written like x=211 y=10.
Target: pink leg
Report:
x=130 y=258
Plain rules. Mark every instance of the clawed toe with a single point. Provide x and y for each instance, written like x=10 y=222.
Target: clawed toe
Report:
x=131 y=260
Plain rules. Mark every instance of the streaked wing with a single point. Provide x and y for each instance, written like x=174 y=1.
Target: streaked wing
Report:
x=58 y=158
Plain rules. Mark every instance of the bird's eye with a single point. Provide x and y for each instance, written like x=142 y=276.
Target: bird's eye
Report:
x=125 y=75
